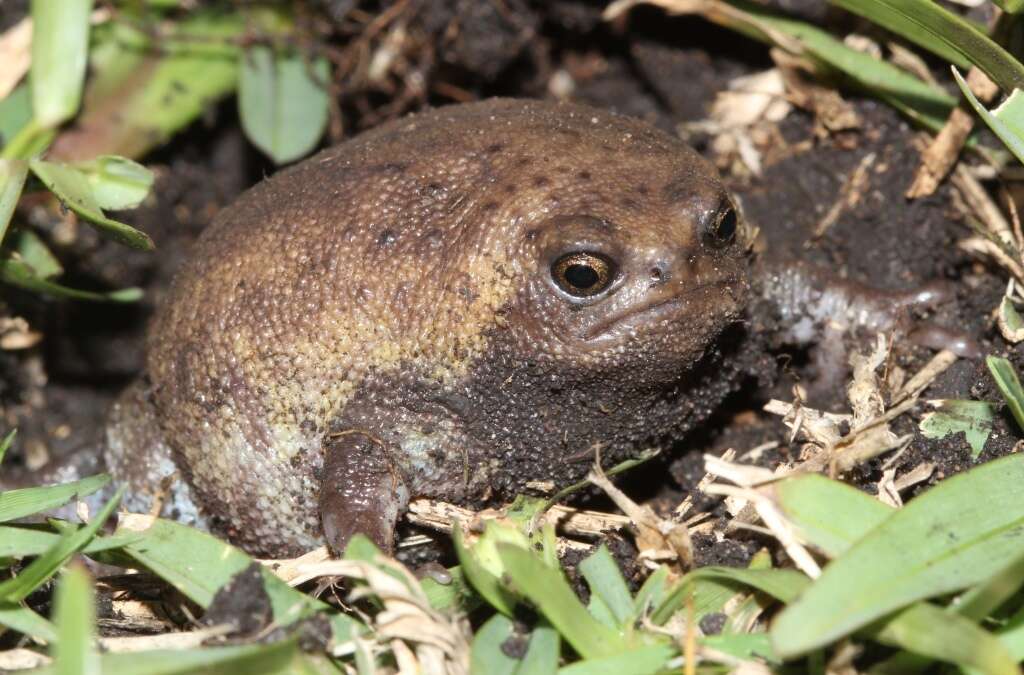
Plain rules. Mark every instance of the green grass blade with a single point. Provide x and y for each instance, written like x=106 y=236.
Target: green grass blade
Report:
x=541 y=654
x=829 y=514
x=12 y=180
x=1006 y=122
x=5 y=444
x=959 y=533
x=1006 y=379
x=937 y=29
x=548 y=590
x=15 y=113
x=930 y=631
x=23 y=502
x=636 y=661
x=73 y=189
x=117 y=182
x=33 y=252
x=282 y=104
x=22 y=541
x=486 y=654
x=198 y=565
x=60 y=49
x=75 y=611
x=46 y=565
x=606 y=582
x=479 y=573
x=261 y=659
x=781 y=584
x=20 y=274
x=26 y=622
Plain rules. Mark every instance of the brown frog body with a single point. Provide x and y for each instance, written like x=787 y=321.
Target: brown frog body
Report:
x=451 y=306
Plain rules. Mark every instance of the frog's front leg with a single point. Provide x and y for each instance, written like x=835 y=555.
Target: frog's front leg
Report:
x=360 y=490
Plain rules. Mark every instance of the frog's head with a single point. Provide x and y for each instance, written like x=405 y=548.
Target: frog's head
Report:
x=644 y=265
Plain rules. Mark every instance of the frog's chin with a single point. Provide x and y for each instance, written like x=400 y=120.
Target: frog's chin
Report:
x=677 y=312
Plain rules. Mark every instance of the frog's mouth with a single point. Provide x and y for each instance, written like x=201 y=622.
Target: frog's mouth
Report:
x=714 y=297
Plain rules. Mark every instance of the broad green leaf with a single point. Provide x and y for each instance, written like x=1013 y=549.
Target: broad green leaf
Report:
x=18 y=273
x=15 y=113
x=117 y=182
x=944 y=33
x=541 y=654
x=550 y=593
x=75 y=612
x=5 y=444
x=12 y=180
x=744 y=646
x=60 y=48
x=1006 y=121
x=259 y=659
x=634 y=661
x=829 y=514
x=959 y=533
x=980 y=601
x=23 y=502
x=73 y=189
x=781 y=584
x=951 y=416
x=482 y=566
x=652 y=593
x=46 y=565
x=1006 y=379
x=930 y=631
x=159 y=89
x=26 y=622
x=198 y=565
x=33 y=252
x=606 y=582
x=486 y=655
x=283 y=101
x=22 y=541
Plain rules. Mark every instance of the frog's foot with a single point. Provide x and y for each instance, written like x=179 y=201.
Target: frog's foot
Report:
x=360 y=491
x=818 y=308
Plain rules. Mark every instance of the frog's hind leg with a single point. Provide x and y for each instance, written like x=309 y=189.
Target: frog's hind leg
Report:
x=360 y=491
x=137 y=456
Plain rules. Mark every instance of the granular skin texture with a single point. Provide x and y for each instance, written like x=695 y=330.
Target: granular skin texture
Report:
x=384 y=321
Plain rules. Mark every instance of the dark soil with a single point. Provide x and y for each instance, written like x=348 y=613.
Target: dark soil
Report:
x=667 y=70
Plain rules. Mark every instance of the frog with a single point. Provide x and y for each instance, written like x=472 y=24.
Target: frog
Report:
x=460 y=305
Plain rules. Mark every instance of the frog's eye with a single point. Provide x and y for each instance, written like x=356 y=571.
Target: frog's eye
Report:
x=721 y=230
x=582 y=274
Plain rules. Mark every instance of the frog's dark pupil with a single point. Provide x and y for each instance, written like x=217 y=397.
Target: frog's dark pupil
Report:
x=727 y=226
x=581 y=276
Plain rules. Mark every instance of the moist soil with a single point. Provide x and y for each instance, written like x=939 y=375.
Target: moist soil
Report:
x=666 y=70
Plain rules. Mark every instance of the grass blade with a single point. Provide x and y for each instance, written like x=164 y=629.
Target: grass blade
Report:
x=117 y=182
x=75 y=612
x=953 y=416
x=930 y=631
x=46 y=565
x=26 y=622
x=20 y=274
x=60 y=49
x=957 y=534
x=1006 y=379
x=5 y=444
x=606 y=582
x=23 y=502
x=73 y=189
x=945 y=34
x=1007 y=122
x=548 y=590
x=12 y=180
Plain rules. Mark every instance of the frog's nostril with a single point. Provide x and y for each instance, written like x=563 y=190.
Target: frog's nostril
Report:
x=658 y=274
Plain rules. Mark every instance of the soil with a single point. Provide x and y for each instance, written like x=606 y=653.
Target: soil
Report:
x=667 y=70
